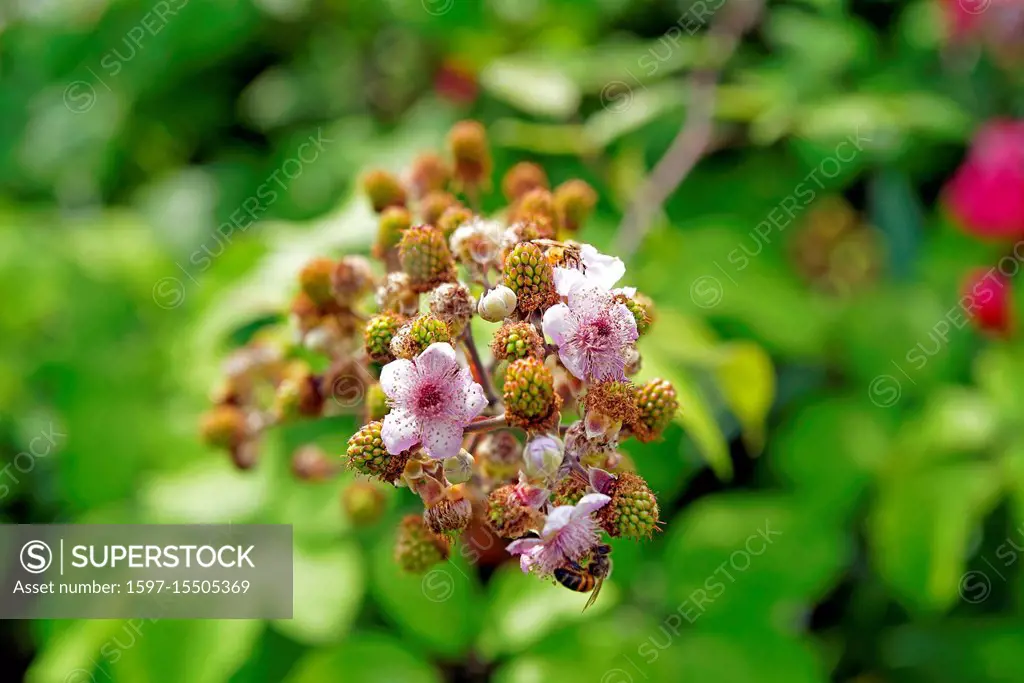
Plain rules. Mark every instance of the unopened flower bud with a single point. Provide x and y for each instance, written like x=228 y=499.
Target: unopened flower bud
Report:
x=537 y=207
x=433 y=206
x=574 y=201
x=468 y=143
x=363 y=502
x=367 y=455
x=452 y=219
x=376 y=403
x=315 y=280
x=452 y=303
x=298 y=394
x=310 y=463
x=393 y=222
x=451 y=514
x=497 y=304
x=658 y=405
x=224 y=426
x=459 y=469
x=425 y=257
x=352 y=278
x=383 y=189
x=543 y=456
x=633 y=509
x=500 y=456
x=417 y=548
x=428 y=173
x=529 y=394
x=522 y=178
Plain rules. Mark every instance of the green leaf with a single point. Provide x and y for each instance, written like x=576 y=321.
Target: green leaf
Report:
x=919 y=529
x=746 y=379
x=695 y=415
x=328 y=585
x=439 y=608
x=203 y=651
x=366 y=658
x=75 y=651
x=730 y=558
x=532 y=86
x=522 y=610
x=206 y=492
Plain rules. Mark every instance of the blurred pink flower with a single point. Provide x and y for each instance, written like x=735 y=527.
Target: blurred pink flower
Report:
x=997 y=24
x=988 y=295
x=432 y=399
x=987 y=191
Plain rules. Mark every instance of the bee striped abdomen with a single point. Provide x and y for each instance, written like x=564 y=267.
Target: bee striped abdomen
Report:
x=575 y=581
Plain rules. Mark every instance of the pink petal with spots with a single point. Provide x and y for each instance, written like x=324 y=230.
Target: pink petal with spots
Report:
x=400 y=431
x=473 y=401
x=437 y=360
x=397 y=379
x=442 y=439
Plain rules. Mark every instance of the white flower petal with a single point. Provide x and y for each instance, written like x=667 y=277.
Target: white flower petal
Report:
x=441 y=439
x=557 y=519
x=400 y=431
x=397 y=379
x=602 y=270
x=566 y=279
x=557 y=323
x=588 y=504
x=436 y=360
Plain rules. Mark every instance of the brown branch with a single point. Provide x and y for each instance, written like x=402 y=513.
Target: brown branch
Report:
x=695 y=136
x=486 y=425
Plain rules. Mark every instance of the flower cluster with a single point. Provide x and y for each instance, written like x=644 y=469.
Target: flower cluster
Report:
x=519 y=435
x=986 y=197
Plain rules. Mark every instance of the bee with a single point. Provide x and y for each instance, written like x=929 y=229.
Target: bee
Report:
x=589 y=578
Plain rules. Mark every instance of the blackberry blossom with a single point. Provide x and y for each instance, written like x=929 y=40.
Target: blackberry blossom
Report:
x=593 y=333
x=432 y=400
x=569 y=533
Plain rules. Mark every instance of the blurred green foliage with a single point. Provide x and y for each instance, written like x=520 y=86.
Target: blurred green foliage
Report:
x=894 y=496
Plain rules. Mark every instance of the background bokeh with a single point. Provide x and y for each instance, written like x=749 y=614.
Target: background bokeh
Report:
x=842 y=494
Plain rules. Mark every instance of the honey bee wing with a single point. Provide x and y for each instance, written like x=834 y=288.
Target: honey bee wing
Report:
x=593 y=594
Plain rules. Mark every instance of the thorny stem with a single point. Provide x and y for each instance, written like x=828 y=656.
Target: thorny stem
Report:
x=487 y=425
x=481 y=370
x=695 y=136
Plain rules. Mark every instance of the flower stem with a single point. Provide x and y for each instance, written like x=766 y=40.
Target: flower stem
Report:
x=487 y=424
x=481 y=370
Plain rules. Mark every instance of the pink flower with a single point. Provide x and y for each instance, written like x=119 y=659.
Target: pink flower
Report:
x=569 y=533
x=432 y=400
x=987 y=192
x=593 y=334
